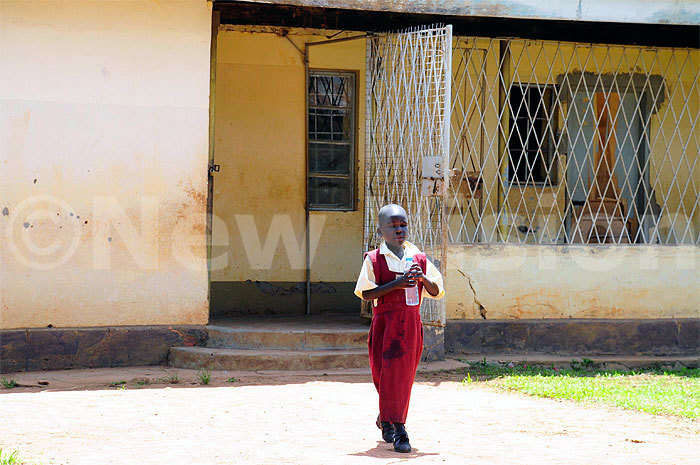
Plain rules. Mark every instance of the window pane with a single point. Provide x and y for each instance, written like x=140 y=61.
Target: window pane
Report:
x=330 y=91
x=329 y=124
x=329 y=158
x=330 y=192
x=531 y=129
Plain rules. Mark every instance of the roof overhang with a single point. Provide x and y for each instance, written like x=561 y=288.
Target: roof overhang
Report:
x=361 y=18
x=667 y=12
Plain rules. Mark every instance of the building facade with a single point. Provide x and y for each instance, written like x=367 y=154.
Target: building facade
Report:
x=165 y=164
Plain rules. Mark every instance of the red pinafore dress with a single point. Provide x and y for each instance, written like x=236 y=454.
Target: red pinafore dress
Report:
x=395 y=342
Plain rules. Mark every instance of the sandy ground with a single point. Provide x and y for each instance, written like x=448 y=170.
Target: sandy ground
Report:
x=278 y=418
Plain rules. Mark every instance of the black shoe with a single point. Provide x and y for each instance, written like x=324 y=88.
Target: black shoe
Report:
x=401 y=443
x=387 y=432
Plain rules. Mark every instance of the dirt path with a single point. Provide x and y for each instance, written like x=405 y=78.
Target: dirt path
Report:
x=296 y=419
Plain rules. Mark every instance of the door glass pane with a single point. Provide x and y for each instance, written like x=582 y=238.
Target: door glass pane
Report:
x=330 y=192
x=329 y=158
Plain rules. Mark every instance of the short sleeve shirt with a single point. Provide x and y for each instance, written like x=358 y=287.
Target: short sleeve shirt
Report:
x=366 y=280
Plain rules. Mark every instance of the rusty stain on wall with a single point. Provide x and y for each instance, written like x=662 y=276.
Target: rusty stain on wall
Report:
x=187 y=339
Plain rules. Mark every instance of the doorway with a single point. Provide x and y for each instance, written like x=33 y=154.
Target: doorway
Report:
x=603 y=173
x=259 y=216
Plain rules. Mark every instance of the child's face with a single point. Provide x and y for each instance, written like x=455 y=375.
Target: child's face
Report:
x=394 y=229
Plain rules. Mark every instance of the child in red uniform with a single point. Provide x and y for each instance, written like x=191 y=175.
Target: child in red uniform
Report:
x=396 y=335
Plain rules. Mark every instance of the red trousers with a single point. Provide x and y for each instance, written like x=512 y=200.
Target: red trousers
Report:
x=395 y=345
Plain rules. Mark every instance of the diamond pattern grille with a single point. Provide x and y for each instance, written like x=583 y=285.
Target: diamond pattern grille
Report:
x=555 y=142
x=408 y=89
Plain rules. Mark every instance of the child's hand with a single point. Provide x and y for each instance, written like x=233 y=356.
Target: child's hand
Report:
x=417 y=272
x=408 y=279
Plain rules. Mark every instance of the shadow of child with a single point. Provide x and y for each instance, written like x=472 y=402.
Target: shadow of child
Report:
x=384 y=451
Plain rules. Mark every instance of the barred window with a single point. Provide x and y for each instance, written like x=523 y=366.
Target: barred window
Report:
x=331 y=146
x=532 y=131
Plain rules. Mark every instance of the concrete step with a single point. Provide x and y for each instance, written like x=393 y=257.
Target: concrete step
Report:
x=268 y=359
x=226 y=337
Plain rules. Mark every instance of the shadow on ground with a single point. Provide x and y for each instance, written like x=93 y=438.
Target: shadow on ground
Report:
x=386 y=451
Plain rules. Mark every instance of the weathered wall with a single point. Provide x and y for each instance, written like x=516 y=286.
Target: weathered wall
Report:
x=104 y=154
x=519 y=282
x=259 y=194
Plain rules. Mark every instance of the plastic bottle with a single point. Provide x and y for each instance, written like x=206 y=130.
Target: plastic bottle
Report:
x=411 y=292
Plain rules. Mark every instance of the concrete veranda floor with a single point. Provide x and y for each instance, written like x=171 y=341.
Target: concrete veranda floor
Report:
x=292 y=418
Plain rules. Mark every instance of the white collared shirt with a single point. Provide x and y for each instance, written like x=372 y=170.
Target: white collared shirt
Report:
x=367 y=280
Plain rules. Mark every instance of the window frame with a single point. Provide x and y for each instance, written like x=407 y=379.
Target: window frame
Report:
x=352 y=112
x=552 y=179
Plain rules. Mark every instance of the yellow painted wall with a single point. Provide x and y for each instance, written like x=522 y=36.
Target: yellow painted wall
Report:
x=260 y=144
x=671 y=131
x=580 y=281
x=103 y=164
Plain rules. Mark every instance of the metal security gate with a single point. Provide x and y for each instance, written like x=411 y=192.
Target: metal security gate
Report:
x=408 y=136
x=566 y=143
x=532 y=142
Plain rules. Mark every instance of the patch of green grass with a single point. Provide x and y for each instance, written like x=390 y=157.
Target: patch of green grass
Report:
x=8 y=384
x=654 y=390
x=657 y=394
x=467 y=380
x=232 y=380
x=10 y=459
x=204 y=376
x=117 y=383
x=583 y=364
x=143 y=382
x=173 y=378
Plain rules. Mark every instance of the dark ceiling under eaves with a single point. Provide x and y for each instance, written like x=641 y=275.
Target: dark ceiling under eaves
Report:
x=264 y=14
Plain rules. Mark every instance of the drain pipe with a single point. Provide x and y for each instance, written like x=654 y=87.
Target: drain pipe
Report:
x=307 y=232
